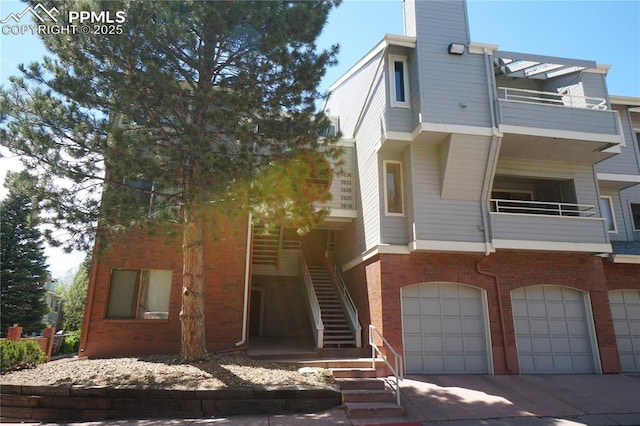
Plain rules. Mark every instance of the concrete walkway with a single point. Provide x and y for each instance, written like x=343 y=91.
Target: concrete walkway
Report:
x=475 y=400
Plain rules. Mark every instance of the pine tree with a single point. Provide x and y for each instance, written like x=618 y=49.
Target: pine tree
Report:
x=23 y=268
x=75 y=295
x=196 y=104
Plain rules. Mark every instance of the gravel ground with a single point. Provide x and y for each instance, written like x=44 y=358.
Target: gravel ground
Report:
x=168 y=372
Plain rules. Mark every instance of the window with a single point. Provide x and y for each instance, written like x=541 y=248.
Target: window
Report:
x=606 y=210
x=139 y=294
x=393 y=188
x=399 y=81
x=635 y=213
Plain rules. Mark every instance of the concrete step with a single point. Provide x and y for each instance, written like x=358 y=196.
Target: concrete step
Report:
x=359 y=410
x=368 y=384
x=353 y=373
x=365 y=395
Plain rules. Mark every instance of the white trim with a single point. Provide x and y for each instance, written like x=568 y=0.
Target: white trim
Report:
x=387 y=213
x=436 y=245
x=626 y=258
x=544 y=216
x=551 y=246
x=400 y=136
x=345 y=213
x=247 y=278
x=487 y=329
x=388 y=40
x=599 y=69
x=618 y=177
x=613 y=214
x=393 y=59
x=481 y=48
x=454 y=128
x=625 y=100
x=563 y=134
x=591 y=326
x=373 y=251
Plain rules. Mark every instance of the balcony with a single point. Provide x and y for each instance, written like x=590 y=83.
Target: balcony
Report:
x=540 y=225
x=554 y=109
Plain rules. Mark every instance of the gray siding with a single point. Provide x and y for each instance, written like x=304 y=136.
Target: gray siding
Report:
x=367 y=226
x=399 y=119
x=394 y=228
x=407 y=171
x=447 y=81
x=547 y=228
x=622 y=226
x=628 y=161
x=463 y=166
x=594 y=85
x=557 y=117
x=350 y=98
x=435 y=218
x=343 y=185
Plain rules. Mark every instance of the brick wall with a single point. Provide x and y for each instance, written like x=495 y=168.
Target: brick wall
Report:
x=225 y=252
x=375 y=286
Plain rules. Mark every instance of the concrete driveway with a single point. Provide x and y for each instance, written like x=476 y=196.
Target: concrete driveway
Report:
x=522 y=400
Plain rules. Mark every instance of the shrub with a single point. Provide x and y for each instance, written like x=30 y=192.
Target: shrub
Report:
x=21 y=354
x=71 y=343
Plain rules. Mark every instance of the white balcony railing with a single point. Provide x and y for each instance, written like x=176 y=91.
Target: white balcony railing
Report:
x=543 y=208
x=551 y=98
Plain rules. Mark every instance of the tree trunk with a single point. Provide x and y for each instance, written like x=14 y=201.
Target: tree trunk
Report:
x=194 y=346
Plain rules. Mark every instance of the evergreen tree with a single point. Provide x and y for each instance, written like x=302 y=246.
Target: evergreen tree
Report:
x=195 y=104
x=75 y=296
x=23 y=268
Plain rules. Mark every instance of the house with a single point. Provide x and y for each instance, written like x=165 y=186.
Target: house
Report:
x=55 y=302
x=486 y=220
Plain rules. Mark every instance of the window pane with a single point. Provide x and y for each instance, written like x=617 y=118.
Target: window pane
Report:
x=123 y=294
x=607 y=213
x=635 y=212
x=394 y=188
x=154 y=294
x=399 y=81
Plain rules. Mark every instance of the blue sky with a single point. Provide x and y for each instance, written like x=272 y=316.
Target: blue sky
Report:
x=603 y=31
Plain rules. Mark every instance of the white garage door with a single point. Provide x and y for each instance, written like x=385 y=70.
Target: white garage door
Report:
x=552 y=330
x=625 y=311
x=444 y=329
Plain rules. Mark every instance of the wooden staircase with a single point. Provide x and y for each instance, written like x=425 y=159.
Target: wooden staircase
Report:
x=265 y=246
x=337 y=332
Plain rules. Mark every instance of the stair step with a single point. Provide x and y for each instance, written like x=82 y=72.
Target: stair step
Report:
x=353 y=373
x=373 y=409
x=366 y=395
x=368 y=384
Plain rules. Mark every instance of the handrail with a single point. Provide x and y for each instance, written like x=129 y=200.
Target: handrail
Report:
x=347 y=301
x=397 y=359
x=314 y=306
x=542 y=208
x=562 y=99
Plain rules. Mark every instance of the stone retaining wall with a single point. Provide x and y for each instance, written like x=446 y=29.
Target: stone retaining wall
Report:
x=53 y=403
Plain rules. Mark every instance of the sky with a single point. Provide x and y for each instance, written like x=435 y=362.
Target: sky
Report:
x=607 y=32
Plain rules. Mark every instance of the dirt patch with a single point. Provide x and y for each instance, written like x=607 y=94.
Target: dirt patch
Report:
x=169 y=372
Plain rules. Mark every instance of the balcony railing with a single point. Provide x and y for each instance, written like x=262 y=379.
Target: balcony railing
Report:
x=551 y=98
x=543 y=208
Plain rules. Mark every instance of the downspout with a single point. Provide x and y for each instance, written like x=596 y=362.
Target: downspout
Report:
x=501 y=315
x=492 y=162
x=247 y=268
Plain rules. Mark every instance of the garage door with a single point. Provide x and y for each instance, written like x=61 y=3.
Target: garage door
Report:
x=444 y=329
x=552 y=330
x=625 y=311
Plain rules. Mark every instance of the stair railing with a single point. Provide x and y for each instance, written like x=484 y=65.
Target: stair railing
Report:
x=314 y=306
x=347 y=301
x=396 y=368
